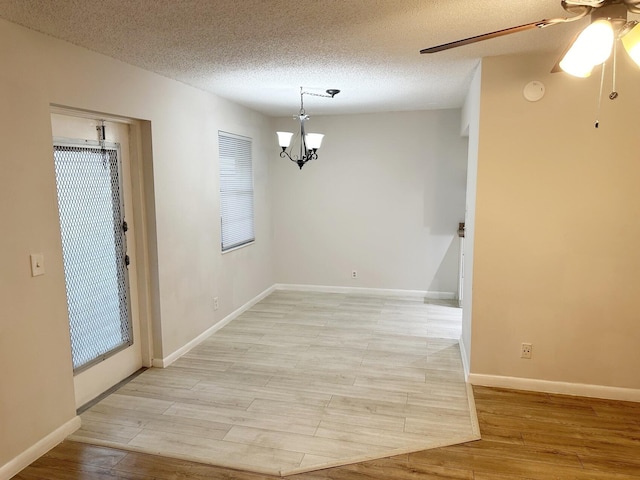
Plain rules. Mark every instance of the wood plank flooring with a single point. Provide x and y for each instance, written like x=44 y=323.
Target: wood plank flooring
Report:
x=525 y=436
x=301 y=381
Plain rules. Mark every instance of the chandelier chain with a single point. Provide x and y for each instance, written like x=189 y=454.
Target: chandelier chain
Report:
x=313 y=94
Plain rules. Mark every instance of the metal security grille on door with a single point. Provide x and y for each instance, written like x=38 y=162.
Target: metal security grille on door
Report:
x=94 y=250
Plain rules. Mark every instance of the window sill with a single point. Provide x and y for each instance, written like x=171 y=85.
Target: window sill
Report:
x=238 y=247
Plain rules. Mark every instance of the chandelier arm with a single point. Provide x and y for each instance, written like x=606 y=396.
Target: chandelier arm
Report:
x=285 y=154
x=303 y=141
x=305 y=154
x=294 y=159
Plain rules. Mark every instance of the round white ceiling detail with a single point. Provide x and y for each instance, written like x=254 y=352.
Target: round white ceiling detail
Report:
x=533 y=91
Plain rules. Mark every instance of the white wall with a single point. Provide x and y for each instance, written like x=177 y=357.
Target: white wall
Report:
x=470 y=125
x=384 y=198
x=36 y=395
x=557 y=228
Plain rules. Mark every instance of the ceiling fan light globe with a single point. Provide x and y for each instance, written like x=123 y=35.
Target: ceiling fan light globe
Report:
x=599 y=38
x=313 y=140
x=284 y=138
x=631 y=42
x=576 y=67
x=592 y=47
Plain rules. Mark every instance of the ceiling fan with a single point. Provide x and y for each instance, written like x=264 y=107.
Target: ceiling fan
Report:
x=592 y=46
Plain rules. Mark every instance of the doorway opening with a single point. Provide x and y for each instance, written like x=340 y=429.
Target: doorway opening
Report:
x=102 y=230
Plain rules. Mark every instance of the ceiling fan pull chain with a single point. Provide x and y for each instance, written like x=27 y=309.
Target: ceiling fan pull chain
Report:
x=597 y=124
x=614 y=93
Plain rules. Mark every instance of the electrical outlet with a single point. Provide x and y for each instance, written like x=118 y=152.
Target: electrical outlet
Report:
x=354 y=274
x=215 y=303
x=526 y=350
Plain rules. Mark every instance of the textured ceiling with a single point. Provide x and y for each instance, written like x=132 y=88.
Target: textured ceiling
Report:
x=259 y=52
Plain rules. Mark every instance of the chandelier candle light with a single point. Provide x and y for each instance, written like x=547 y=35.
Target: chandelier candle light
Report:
x=309 y=142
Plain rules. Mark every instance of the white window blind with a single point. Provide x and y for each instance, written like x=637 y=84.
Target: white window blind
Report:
x=236 y=190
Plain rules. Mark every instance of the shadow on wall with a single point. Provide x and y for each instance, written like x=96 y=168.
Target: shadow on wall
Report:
x=446 y=276
x=445 y=186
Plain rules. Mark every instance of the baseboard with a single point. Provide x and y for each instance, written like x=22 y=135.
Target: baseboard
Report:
x=465 y=360
x=441 y=295
x=383 y=292
x=31 y=454
x=548 y=386
x=172 y=357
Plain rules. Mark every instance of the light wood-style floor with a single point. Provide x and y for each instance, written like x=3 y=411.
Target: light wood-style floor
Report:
x=301 y=381
x=525 y=436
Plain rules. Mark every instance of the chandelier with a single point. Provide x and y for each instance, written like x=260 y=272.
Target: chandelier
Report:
x=309 y=142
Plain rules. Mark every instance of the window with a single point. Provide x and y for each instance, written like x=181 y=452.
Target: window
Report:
x=236 y=190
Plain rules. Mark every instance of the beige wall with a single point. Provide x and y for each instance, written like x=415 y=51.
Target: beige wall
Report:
x=384 y=198
x=36 y=384
x=557 y=227
x=36 y=392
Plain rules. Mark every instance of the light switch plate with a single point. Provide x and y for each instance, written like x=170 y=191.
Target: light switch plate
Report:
x=37 y=264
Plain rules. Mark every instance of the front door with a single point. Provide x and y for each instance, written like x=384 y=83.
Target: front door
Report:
x=92 y=178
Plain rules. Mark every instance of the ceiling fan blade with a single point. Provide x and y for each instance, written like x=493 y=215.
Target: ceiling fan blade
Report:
x=485 y=36
x=556 y=68
x=633 y=6
x=588 y=3
x=581 y=8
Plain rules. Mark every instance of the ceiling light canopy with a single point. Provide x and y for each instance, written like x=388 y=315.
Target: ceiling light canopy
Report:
x=309 y=142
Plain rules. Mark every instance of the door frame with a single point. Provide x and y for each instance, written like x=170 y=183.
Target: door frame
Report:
x=145 y=302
